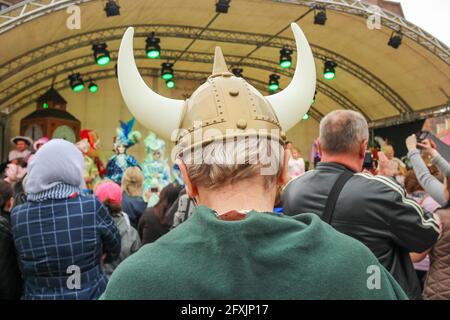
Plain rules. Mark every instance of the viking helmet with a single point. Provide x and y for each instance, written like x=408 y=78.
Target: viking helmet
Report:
x=223 y=103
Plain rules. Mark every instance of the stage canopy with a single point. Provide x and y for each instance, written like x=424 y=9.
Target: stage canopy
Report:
x=37 y=49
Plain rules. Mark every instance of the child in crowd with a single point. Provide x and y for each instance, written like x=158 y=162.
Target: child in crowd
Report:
x=110 y=194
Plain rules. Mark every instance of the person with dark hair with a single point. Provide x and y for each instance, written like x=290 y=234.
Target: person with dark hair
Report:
x=19 y=194
x=110 y=194
x=152 y=223
x=60 y=233
x=10 y=278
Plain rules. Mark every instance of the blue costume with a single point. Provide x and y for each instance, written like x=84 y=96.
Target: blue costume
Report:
x=121 y=161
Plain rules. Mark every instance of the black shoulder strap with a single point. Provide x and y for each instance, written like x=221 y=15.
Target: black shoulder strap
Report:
x=334 y=195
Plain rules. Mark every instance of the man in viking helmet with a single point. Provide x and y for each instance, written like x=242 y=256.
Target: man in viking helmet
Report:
x=230 y=150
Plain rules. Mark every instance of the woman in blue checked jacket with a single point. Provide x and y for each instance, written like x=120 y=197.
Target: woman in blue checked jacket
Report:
x=62 y=236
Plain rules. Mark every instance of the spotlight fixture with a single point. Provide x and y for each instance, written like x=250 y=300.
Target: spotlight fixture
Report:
x=222 y=6
x=76 y=82
x=93 y=87
x=328 y=70
x=274 y=84
x=101 y=54
x=320 y=16
x=167 y=71
x=286 y=57
x=395 y=40
x=237 y=72
x=112 y=8
x=306 y=116
x=170 y=83
x=152 y=48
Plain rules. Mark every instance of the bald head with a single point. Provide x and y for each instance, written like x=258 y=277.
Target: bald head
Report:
x=342 y=132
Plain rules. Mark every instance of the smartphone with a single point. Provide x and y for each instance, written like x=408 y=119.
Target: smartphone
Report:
x=154 y=189
x=368 y=161
x=422 y=135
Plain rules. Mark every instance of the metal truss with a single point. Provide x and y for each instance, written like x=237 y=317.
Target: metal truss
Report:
x=146 y=72
x=436 y=111
x=388 y=19
x=75 y=42
x=78 y=63
x=31 y=9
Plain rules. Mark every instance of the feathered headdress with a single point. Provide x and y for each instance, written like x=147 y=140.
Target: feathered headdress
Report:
x=125 y=135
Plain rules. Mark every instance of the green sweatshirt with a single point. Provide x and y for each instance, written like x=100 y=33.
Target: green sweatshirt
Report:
x=263 y=256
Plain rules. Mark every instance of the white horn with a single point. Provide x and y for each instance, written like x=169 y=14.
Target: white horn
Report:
x=155 y=112
x=294 y=101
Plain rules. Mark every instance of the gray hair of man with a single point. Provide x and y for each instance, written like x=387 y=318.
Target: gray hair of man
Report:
x=343 y=131
x=228 y=161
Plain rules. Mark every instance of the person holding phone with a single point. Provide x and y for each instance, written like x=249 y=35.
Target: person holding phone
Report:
x=429 y=183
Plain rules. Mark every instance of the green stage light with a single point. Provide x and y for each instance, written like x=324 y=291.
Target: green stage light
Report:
x=329 y=72
x=93 y=87
x=152 y=48
x=167 y=71
x=76 y=82
x=286 y=58
x=153 y=54
x=306 y=116
x=274 y=84
x=101 y=54
x=170 y=84
x=45 y=105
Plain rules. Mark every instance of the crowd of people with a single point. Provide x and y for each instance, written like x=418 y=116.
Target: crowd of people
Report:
x=217 y=236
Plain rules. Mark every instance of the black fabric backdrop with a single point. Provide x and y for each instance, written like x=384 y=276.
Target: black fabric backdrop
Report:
x=396 y=135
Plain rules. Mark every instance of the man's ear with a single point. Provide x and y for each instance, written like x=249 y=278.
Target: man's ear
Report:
x=191 y=189
x=319 y=149
x=283 y=178
x=363 y=148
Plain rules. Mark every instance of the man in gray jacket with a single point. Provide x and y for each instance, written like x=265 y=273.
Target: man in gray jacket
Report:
x=371 y=209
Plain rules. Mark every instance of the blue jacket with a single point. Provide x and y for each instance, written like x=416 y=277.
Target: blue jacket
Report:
x=60 y=244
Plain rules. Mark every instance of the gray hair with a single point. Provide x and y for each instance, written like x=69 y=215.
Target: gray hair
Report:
x=342 y=131
x=221 y=162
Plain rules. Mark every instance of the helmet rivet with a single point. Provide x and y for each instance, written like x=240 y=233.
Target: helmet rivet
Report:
x=234 y=92
x=241 y=124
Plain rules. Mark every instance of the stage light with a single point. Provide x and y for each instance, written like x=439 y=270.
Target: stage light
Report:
x=101 y=54
x=93 y=87
x=112 y=8
x=274 y=84
x=320 y=17
x=222 y=6
x=152 y=48
x=45 y=105
x=167 y=71
x=306 y=116
x=170 y=83
x=237 y=72
x=76 y=82
x=328 y=70
x=395 y=40
x=286 y=58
